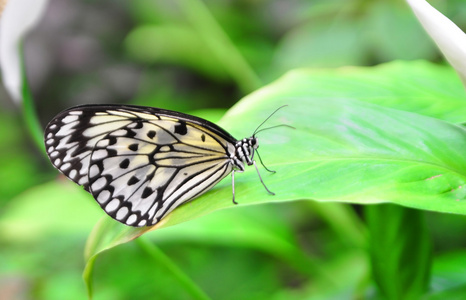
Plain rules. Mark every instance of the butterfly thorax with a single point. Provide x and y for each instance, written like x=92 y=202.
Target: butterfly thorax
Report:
x=244 y=153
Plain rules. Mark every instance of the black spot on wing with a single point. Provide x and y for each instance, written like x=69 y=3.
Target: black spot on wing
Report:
x=133 y=147
x=131 y=133
x=203 y=137
x=181 y=128
x=112 y=153
x=124 y=164
x=151 y=134
x=133 y=180
x=146 y=193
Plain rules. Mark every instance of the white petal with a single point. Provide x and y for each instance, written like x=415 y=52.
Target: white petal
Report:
x=18 y=17
x=448 y=37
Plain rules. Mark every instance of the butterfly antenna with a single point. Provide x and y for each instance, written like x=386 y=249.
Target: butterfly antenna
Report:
x=280 y=125
x=255 y=131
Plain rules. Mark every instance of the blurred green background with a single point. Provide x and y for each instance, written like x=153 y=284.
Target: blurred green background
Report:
x=155 y=53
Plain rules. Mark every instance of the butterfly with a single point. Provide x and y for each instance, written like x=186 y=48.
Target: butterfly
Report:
x=140 y=163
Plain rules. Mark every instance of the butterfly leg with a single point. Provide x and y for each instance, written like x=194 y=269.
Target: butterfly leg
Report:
x=260 y=159
x=260 y=178
x=233 y=185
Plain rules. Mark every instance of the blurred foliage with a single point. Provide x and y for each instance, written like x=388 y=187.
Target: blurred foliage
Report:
x=153 y=52
x=21 y=165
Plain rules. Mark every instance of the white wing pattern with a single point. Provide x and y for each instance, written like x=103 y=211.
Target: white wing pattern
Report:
x=140 y=163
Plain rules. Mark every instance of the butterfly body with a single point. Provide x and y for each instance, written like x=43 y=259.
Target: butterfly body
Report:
x=140 y=163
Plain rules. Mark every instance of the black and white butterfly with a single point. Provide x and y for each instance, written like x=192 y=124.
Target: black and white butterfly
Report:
x=140 y=163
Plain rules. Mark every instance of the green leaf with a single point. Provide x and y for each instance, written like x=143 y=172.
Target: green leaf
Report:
x=400 y=251
x=345 y=149
x=261 y=229
x=418 y=86
x=357 y=140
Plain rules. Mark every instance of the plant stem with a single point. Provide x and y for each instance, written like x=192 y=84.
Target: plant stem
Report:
x=220 y=44
x=400 y=251
x=163 y=260
x=29 y=113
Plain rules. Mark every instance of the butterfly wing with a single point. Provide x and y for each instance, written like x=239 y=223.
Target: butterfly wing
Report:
x=139 y=163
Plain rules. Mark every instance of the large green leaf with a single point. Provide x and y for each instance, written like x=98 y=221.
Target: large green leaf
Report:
x=363 y=135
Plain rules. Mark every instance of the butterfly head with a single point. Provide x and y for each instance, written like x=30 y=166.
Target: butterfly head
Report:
x=247 y=147
x=253 y=143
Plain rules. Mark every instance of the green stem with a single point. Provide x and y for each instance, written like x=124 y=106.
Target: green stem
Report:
x=163 y=260
x=400 y=251
x=29 y=113
x=220 y=44
x=87 y=276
